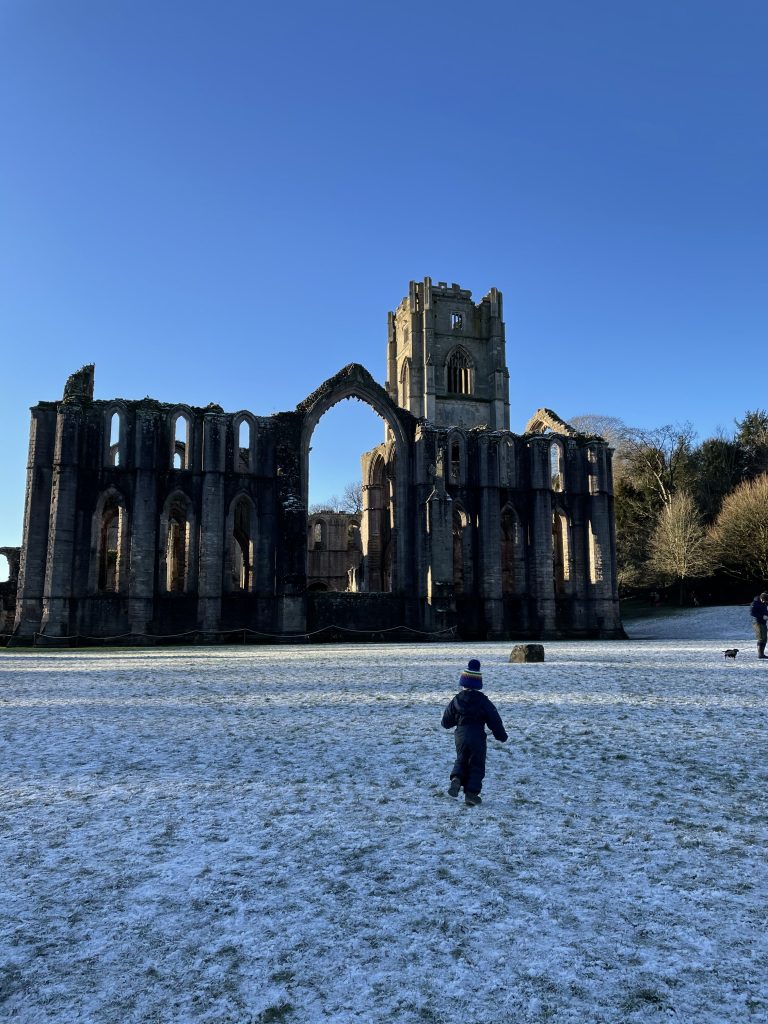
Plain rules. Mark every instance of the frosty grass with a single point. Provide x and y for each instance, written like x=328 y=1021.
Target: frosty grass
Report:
x=263 y=834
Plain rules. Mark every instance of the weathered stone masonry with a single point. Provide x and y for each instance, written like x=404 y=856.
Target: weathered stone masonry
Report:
x=145 y=520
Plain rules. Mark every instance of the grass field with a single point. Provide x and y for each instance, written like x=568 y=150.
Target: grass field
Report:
x=256 y=835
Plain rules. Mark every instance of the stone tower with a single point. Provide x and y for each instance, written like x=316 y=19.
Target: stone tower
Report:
x=446 y=359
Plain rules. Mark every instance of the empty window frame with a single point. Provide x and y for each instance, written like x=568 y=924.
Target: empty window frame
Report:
x=112 y=546
x=561 y=551
x=317 y=533
x=557 y=466
x=242 y=545
x=180 y=453
x=243 y=460
x=459 y=373
x=457 y=321
x=115 y=438
x=178 y=547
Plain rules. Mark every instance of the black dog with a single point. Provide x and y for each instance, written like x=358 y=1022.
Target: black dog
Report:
x=731 y=652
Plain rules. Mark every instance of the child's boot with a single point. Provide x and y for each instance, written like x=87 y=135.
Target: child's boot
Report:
x=455 y=786
x=472 y=799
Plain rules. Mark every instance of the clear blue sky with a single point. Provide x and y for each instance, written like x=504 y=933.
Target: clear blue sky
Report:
x=219 y=200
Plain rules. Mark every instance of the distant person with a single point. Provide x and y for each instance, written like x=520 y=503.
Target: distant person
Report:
x=759 y=613
x=470 y=711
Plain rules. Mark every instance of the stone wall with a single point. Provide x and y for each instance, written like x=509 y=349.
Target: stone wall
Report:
x=149 y=522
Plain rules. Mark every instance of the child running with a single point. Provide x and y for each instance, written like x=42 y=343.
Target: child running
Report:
x=470 y=711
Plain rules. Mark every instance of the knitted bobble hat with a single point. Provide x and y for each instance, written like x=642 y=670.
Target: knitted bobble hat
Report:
x=471 y=678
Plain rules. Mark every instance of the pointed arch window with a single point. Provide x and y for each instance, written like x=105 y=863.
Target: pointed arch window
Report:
x=112 y=543
x=405 y=384
x=116 y=434
x=242 y=545
x=460 y=372
x=561 y=551
x=177 y=554
x=181 y=443
x=245 y=437
x=557 y=466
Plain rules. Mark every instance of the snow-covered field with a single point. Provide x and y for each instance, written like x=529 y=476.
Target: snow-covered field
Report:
x=263 y=835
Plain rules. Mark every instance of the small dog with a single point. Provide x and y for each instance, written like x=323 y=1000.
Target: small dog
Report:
x=731 y=652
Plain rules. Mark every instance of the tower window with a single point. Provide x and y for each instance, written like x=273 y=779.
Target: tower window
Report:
x=457 y=321
x=459 y=373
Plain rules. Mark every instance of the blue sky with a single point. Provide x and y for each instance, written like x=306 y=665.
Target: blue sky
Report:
x=220 y=201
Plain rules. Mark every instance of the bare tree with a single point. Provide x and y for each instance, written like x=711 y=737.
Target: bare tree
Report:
x=679 y=548
x=614 y=430
x=740 y=534
x=352 y=497
x=662 y=456
x=351 y=500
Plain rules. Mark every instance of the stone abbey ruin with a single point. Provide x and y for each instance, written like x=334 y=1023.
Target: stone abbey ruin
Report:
x=148 y=522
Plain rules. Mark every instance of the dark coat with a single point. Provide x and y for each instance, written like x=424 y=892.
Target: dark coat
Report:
x=471 y=710
x=759 y=610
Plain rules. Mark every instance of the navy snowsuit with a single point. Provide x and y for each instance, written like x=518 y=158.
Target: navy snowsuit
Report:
x=470 y=711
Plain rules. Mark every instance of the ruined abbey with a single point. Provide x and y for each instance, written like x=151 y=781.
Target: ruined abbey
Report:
x=147 y=522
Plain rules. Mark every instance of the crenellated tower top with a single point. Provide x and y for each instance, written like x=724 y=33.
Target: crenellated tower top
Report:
x=446 y=359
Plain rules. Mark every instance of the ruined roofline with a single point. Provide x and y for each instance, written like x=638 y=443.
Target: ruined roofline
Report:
x=545 y=419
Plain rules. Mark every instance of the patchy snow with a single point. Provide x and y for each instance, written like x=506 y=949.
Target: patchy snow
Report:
x=732 y=624
x=263 y=834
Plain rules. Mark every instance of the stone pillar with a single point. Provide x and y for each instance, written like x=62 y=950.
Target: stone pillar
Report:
x=144 y=519
x=37 y=509
x=291 y=528
x=57 y=590
x=490 y=539
x=440 y=540
x=543 y=618
x=428 y=340
x=212 y=522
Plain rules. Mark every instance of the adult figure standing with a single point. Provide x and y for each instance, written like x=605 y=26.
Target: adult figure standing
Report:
x=759 y=613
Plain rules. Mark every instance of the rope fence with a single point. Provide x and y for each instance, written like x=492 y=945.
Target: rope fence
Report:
x=234 y=636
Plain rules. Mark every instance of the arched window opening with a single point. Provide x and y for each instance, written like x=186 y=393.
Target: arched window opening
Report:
x=5 y=568
x=317 y=534
x=111 y=546
x=177 y=549
x=181 y=441
x=242 y=546
x=244 y=446
x=405 y=384
x=561 y=555
x=459 y=373
x=115 y=431
x=351 y=488
x=556 y=466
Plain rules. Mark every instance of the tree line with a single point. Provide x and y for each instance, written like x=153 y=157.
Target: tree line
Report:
x=690 y=516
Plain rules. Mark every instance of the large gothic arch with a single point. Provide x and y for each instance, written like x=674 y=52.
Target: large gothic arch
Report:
x=354 y=381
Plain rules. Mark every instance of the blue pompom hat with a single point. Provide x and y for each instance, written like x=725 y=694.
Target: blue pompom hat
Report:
x=471 y=677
